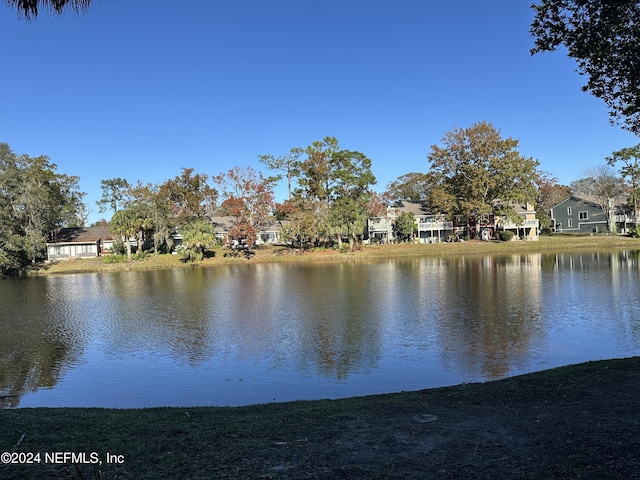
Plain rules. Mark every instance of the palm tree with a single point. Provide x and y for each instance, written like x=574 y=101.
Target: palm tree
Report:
x=125 y=223
x=197 y=236
x=30 y=9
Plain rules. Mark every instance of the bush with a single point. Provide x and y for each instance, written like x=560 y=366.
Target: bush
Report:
x=343 y=248
x=635 y=231
x=506 y=236
x=141 y=255
x=192 y=255
x=115 y=258
x=119 y=248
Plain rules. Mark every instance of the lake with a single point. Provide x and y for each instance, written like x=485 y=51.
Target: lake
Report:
x=254 y=333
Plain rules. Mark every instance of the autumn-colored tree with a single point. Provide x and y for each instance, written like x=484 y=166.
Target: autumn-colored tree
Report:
x=333 y=188
x=549 y=193
x=190 y=196
x=377 y=205
x=316 y=177
x=476 y=166
x=249 y=198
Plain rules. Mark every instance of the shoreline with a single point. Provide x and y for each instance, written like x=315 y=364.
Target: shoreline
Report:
x=577 y=421
x=270 y=254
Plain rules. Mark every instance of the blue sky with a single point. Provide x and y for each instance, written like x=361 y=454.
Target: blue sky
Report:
x=139 y=89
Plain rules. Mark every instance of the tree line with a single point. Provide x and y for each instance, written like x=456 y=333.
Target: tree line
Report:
x=329 y=196
x=329 y=201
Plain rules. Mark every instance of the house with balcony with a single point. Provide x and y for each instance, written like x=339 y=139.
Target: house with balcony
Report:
x=526 y=226
x=437 y=227
x=430 y=228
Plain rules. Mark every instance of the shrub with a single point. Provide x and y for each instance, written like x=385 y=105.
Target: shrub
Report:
x=115 y=258
x=141 y=255
x=343 y=248
x=192 y=255
x=635 y=231
x=119 y=248
x=506 y=236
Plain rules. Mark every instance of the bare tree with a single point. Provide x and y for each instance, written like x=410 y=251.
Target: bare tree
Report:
x=602 y=186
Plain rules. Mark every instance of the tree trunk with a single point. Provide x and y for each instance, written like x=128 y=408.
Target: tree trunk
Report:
x=611 y=216
x=128 y=245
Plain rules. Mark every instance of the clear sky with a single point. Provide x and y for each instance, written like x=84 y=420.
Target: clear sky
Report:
x=141 y=88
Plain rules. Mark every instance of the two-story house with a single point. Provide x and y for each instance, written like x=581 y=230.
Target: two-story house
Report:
x=430 y=228
x=583 y=214
x=435 y=227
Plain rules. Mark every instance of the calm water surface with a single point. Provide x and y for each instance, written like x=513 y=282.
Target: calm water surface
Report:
x=256 y=333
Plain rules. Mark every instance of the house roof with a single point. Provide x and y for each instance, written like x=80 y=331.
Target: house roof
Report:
x=81 y=235
x=222 y=224
x=620 y=200
x=416 y=208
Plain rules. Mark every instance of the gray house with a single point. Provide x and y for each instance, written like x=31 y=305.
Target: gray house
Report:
x=583 y=214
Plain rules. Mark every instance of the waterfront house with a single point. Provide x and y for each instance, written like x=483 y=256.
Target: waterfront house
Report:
x=526 y=226
x=268 y=234
x=430 y=228
x=583 y=214
x=79 y=242
x=435 y=227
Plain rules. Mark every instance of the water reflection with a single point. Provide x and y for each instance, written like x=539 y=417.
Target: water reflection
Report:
x=36 y=345
x=494 y=322
x=252 y=333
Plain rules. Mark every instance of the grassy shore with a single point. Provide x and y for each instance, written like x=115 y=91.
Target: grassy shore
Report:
x=546 y=244
x=578 y=422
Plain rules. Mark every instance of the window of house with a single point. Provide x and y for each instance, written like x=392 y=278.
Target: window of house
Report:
x=83 y=249
x=569 y=222
x=583 y=215
x=569 y=212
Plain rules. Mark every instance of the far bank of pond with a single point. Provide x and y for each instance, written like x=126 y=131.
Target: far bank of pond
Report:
x=218 y=256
